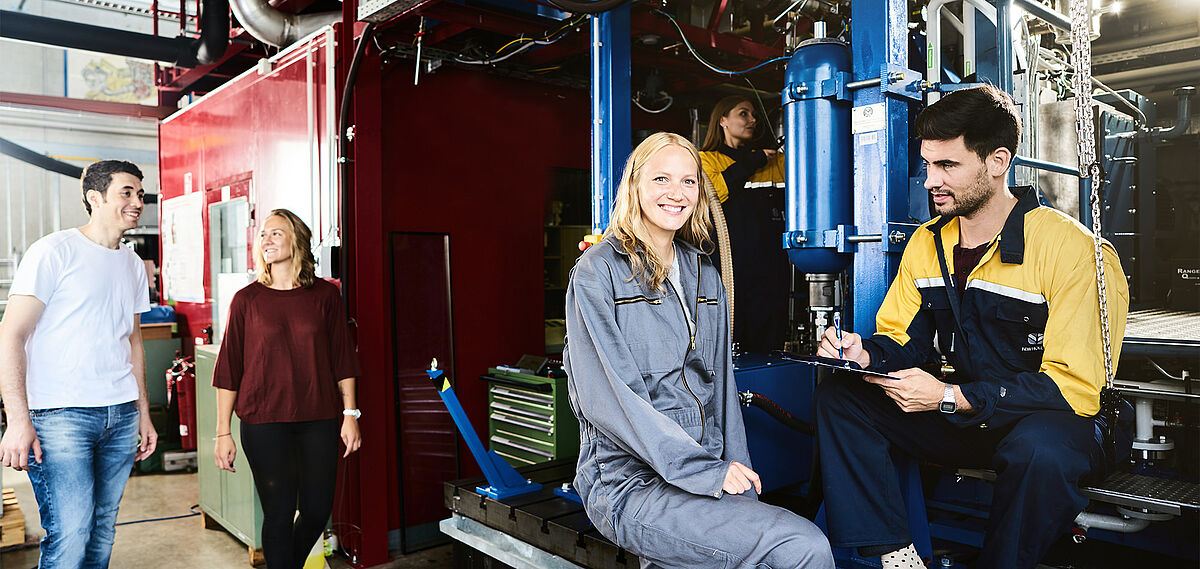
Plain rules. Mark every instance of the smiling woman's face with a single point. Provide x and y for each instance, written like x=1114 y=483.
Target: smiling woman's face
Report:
x=275 y=240
x=669 y=188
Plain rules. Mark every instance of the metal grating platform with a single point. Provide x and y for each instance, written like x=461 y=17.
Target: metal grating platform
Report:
x=1145 y=492
x=1129 y=490
x=1162 y=332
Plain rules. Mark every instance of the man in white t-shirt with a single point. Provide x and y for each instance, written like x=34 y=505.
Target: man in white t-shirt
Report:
x=73 y=379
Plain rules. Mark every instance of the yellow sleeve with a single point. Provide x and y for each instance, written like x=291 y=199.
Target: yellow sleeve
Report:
x=775 y=170
x=714 y=164
x=1073 y=355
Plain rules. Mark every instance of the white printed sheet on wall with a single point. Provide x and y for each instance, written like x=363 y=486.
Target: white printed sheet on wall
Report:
x=183 y=248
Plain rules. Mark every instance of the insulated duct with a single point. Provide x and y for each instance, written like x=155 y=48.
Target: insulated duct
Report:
x=214 y=35
x=276 y=28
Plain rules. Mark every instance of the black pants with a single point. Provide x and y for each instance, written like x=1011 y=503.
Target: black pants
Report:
x=1039 y=462
x=761 y=269
x=294 y=464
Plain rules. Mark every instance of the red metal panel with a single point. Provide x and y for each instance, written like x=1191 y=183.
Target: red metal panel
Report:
x=469 y=155
x=369 y=279
x=255 y=127
x=422 y=321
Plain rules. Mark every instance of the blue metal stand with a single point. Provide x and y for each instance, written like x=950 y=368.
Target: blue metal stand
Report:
x=611 y=127
x=567 y=492
x=503 y=480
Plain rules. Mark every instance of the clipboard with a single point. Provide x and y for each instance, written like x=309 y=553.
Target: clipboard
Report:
x=849 y=366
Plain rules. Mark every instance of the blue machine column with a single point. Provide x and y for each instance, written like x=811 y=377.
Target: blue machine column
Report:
x=611 y=139
x=819 y=171
x=879 y=123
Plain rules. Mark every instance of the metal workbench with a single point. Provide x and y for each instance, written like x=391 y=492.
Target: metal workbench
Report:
x=536 y=530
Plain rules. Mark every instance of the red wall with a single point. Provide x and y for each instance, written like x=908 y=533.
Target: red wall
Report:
x=464 y=153
x=251 y=128
x=469 y=154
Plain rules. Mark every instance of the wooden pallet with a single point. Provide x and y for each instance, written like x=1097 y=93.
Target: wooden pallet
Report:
x=12 y=521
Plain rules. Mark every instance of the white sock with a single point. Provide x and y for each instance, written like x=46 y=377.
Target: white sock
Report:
x=905 y=558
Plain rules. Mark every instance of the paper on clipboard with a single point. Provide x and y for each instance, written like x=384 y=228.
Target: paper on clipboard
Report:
x=834 y=363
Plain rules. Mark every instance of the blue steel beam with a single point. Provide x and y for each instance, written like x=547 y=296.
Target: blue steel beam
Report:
x=503 y=480
x=611 y=138
x=879 y=43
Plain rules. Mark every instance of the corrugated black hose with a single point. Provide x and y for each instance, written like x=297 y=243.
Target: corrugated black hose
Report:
x=751 y=399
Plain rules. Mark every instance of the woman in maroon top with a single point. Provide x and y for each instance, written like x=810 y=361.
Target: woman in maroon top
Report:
x=287 y=368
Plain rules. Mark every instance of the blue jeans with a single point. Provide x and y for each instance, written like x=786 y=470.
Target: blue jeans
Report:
x=87 y=453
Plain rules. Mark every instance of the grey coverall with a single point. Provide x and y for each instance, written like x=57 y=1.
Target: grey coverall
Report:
x=660 y=424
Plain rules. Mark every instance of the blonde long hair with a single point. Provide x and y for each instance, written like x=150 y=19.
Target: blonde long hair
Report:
x=627 y=226
x=304 y=265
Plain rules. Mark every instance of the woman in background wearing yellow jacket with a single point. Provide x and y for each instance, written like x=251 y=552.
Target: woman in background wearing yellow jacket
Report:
x=749 y=183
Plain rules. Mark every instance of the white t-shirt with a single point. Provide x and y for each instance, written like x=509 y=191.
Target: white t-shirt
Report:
x=675 y=278
x=78 y=355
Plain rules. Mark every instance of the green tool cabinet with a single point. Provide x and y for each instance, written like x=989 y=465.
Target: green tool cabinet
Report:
x=529 y=418
x=226 y=498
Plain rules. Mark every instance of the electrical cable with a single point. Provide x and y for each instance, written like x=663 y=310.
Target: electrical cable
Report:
x=194 y=509
x=344 y=162
x=766 y=115
x=1050 y=55
x=1163 y=371
x=669 y=99
x=705 y=62
x=548 y=39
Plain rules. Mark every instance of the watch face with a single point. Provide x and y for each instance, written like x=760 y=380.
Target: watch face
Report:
x=947 y=406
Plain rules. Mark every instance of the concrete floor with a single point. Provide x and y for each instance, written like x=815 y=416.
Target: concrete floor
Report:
x=181 y=543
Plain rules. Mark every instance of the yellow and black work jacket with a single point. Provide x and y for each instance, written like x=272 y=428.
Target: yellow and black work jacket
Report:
x=726 y=166
x=1030 y=314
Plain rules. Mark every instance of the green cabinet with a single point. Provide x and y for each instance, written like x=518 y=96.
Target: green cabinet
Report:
x=227 y=498
x=529 y=418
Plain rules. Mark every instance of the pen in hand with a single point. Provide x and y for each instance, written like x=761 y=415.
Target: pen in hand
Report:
x=837 y=327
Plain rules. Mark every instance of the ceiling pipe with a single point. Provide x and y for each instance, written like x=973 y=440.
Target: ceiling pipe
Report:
x=276 y=28
x=1150 y=75
x=214 y=35
x=28 y=156
x=182 y=51
x=62 y=33
x=1183 y=116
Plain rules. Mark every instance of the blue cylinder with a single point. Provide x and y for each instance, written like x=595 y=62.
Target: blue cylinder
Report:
x=819 y=155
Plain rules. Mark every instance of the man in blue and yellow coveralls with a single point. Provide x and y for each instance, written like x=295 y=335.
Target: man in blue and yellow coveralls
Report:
x=1020 y=325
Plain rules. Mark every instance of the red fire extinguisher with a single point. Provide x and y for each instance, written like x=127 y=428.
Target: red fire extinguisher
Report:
x=181 y=380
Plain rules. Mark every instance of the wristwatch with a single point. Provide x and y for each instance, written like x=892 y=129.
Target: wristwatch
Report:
x=948 y=404
x=356 y=413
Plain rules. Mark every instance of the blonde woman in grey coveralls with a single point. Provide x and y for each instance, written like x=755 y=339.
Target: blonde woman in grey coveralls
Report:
x=664 y=469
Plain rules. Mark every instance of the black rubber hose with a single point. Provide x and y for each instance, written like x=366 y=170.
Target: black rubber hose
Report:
x=586 y=7
x=751 y=399
x=343 y=161
x=214 y=35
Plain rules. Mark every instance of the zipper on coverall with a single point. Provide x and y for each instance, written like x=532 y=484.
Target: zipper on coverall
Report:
x=692 y=345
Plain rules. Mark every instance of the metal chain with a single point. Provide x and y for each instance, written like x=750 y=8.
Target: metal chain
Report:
x=1081 y=58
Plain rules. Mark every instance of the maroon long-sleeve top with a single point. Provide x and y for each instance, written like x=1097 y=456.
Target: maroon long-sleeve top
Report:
x=284 y=352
